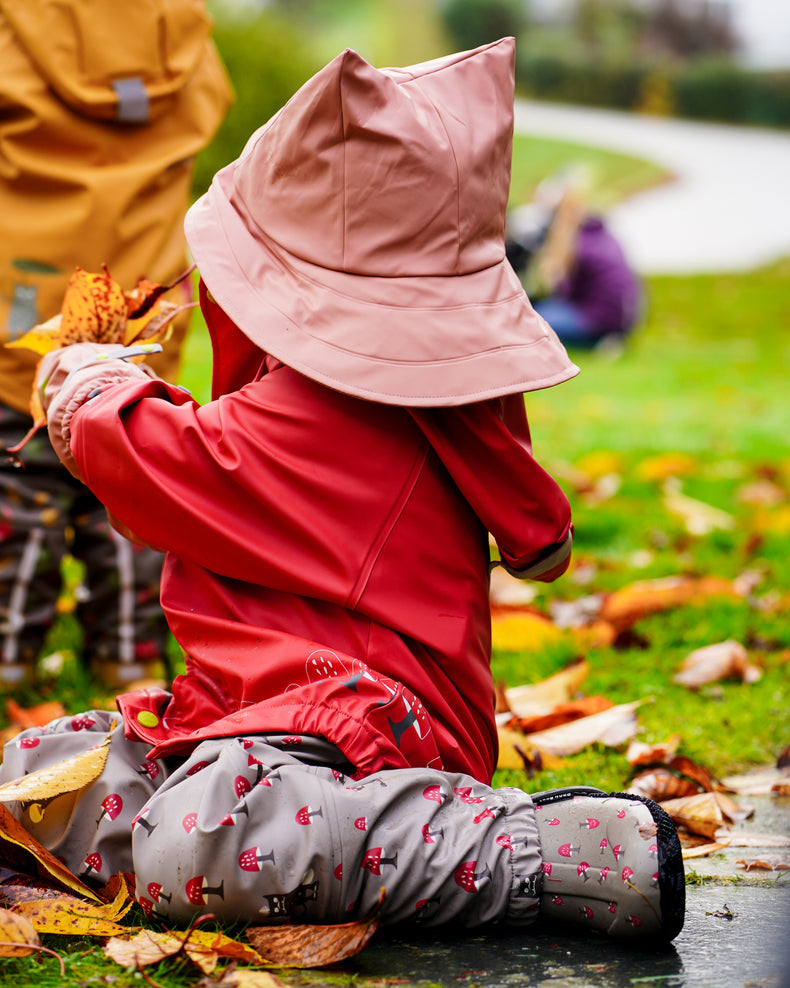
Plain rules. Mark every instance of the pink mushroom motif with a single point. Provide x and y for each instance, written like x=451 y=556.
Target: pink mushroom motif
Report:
x=111 y=807
x=375 y=858
x=466 y=877
x=252 y=858
x=197 y=890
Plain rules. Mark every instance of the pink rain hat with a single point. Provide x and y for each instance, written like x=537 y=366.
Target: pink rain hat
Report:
x=359 y=237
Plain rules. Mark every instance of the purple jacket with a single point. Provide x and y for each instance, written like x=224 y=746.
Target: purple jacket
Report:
x=601 y=283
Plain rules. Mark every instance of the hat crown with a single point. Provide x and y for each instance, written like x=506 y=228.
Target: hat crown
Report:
x=391 y=172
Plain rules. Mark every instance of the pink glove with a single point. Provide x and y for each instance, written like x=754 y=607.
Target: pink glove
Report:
x=69 y=376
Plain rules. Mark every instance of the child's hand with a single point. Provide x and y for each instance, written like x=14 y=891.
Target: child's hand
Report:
x=71 y=375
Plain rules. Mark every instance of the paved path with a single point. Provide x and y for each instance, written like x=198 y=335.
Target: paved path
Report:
x=728 y=207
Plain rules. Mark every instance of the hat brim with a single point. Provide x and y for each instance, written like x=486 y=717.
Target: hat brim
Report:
x=416 y=341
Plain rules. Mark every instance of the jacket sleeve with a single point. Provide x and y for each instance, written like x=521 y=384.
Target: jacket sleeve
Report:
x=252 y=486
x=487 y=450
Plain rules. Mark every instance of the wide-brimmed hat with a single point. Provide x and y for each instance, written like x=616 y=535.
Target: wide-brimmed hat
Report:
x=359 y=237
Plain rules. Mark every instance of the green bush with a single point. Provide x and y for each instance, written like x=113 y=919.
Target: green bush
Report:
x=705 y=89
x=477 y=22
x=268 y=58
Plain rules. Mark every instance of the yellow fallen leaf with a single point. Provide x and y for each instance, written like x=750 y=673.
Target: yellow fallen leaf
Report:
x=522 y=632
x=611 y=727
x=17 y=936
x=533 y=698
x=306 y=945
x=66 y=914
x=40 y=339
x=698 y=517
x=223 y=946
x=19 y=849
x=54 y=780
x=665 y=465
x=515 y=752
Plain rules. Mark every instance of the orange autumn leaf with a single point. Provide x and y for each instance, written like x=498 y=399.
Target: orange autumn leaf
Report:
x=37 y=716
x=623 y=608
x=562 y=713
x=661 y=784
x=95 y=309
x=640 y=753
x=306 y=946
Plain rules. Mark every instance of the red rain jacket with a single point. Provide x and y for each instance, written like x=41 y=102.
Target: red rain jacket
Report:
x=327 y=557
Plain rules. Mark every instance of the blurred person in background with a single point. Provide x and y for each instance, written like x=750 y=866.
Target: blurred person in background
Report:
x=576 y=271
x=102 y=110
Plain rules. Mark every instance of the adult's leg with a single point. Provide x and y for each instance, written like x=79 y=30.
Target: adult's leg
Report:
x=567 y=321
x=34 y=510
x=126 y=634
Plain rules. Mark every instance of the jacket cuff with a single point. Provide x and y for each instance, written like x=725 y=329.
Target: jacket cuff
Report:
x=551 y=564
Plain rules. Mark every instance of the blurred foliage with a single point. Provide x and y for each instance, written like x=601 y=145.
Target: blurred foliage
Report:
x=268 y=58
x=471 y=23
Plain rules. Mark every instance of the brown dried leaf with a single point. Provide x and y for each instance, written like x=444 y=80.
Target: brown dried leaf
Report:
x=660 y=784
x=311 y=946
x=145 y=947
x=17 y=936
x=54 y=780
x=767 y=864
x=701 y=814
x=639 y=753
x=712 y=663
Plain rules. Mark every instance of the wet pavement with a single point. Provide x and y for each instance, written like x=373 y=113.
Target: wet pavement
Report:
x=733 y=936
